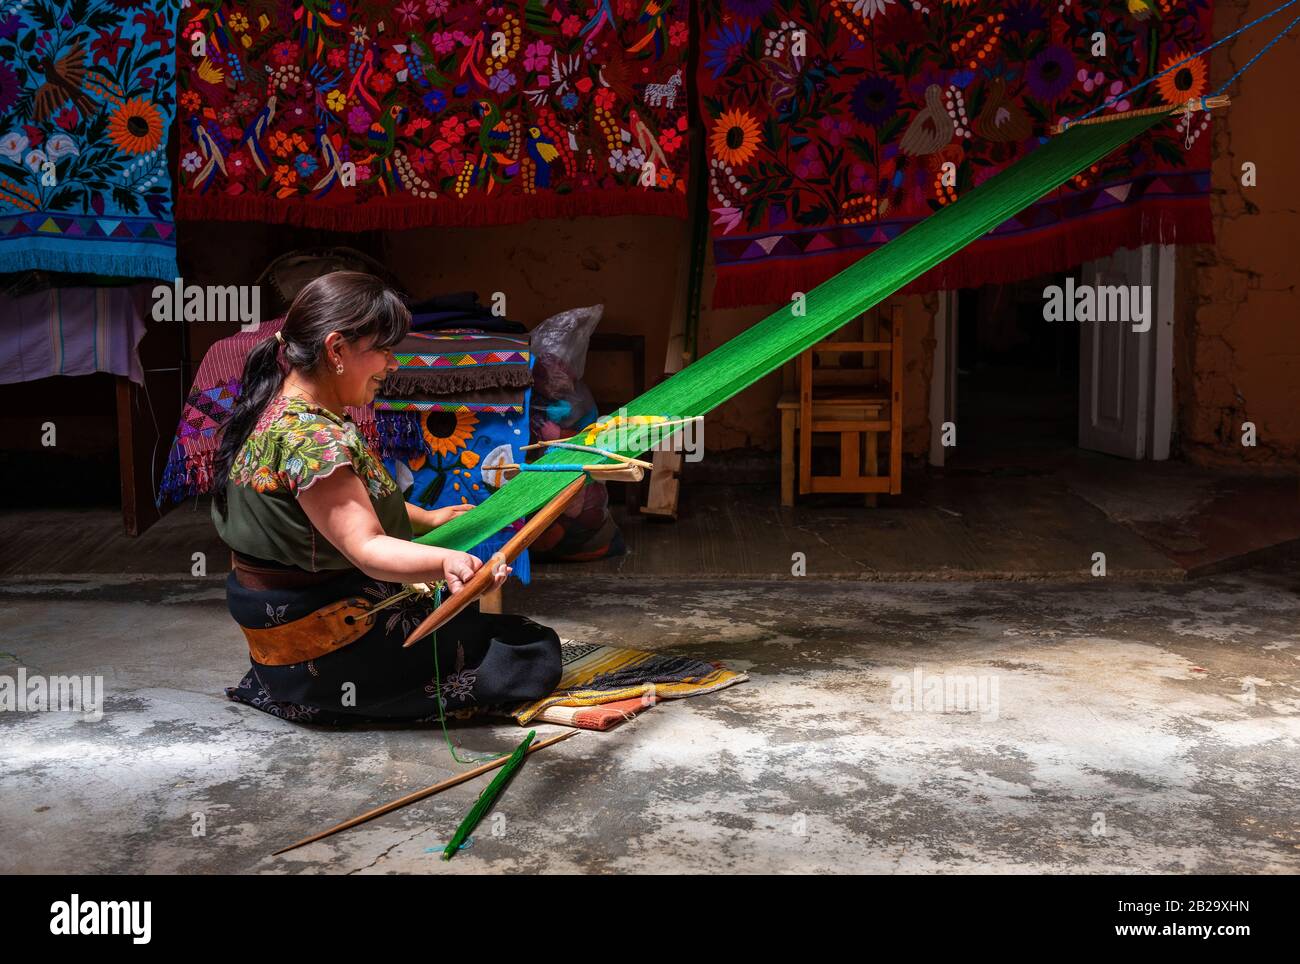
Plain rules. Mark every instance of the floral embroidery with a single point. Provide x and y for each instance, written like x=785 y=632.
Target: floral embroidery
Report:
x=87 y=94
x=458 y=684
x=277 y=614
x=387 y=115
x=295 y=443
x=294 y=712
x=833 y=127
x=408 y=614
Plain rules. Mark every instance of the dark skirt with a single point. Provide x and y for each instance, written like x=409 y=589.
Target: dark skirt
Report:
x=484 y=660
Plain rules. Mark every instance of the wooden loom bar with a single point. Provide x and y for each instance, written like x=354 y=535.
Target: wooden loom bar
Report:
x=1222 y=100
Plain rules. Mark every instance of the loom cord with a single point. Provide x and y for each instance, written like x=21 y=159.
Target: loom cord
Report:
x=437 y=681
x=1116 y=98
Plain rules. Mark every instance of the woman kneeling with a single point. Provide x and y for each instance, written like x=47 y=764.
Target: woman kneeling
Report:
x=319 y=534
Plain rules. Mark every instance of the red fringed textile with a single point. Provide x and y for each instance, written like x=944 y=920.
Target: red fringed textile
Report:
x=350 y=116
x=832 y=128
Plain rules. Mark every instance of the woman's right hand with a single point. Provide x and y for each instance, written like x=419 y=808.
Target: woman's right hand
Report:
x=458 y=568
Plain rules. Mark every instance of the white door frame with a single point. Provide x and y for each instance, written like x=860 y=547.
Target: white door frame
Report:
x=1160 y=430
x=943 y=374
x=1158 y=264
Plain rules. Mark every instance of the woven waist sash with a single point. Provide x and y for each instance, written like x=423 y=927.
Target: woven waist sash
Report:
x=331 y=627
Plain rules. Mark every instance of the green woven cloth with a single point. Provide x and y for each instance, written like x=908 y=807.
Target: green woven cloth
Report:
x=781 y=336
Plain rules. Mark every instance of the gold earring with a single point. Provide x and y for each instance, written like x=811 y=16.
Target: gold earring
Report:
x=340 y=368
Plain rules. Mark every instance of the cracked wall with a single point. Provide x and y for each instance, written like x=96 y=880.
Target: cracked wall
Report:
x=1238 y=338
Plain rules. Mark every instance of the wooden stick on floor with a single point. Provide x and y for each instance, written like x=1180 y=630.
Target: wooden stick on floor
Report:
x=421 y=794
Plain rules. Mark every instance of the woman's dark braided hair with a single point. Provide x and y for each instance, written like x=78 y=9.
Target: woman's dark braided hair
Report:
x=355 y=304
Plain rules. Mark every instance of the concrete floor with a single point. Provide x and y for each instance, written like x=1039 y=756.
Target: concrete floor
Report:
x=1137 y=727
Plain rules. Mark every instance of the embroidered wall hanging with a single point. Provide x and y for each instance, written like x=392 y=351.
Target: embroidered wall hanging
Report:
x=834 y=127
x=87 y=92
x=451 y=415
x=361 y=115
x=465 y=443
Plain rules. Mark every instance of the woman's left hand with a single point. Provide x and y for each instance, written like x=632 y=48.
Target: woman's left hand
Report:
x=440 y=517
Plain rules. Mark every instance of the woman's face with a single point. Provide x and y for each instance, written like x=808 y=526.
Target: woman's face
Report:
x=364 y=369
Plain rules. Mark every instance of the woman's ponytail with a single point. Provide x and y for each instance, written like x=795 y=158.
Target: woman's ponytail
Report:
x=260 y=383
x=354 y=304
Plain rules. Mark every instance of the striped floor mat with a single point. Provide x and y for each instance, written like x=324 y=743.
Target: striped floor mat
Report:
x=596 y=676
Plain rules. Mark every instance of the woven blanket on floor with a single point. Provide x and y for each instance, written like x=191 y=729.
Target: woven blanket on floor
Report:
x=87 y=94
x=356 y=116
x=595 y=675
x=604 y=716
x=834 y=127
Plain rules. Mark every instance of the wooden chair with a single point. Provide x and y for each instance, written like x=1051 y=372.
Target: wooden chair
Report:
x=856 y=401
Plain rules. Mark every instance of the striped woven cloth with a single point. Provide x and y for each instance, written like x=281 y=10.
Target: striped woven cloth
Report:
x=72 y=331
x=596 y=675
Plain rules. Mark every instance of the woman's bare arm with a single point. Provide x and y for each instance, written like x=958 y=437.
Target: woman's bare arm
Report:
x=340 y=509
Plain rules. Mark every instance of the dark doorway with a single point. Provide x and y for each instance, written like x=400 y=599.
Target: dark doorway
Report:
x=1017 y=377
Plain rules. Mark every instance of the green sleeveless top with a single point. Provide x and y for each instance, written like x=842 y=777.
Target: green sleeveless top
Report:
x=295 y=443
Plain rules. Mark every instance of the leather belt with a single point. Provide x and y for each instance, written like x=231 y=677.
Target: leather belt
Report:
x=252 y=576
x=329 y=628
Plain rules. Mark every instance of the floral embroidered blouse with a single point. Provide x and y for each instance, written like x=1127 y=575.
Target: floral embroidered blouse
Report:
x=294 y=444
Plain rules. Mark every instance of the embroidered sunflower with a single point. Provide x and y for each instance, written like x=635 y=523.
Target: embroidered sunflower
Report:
x=735 y=137
x=136 y=126
x=448 y=431
x=1188 y=81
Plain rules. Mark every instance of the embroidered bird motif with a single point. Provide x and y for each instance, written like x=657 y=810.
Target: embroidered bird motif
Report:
x=63 y=82
x=256 y=130
x=931 y=128
x=213 y=158
x=382 y=138
x=330 y=163
x=652 y=12
x=543 y=152
x=1001 y=119
x=646 y=140
x=473 y=53
x=604 y=15
x=494 y=137
x=382 y=134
